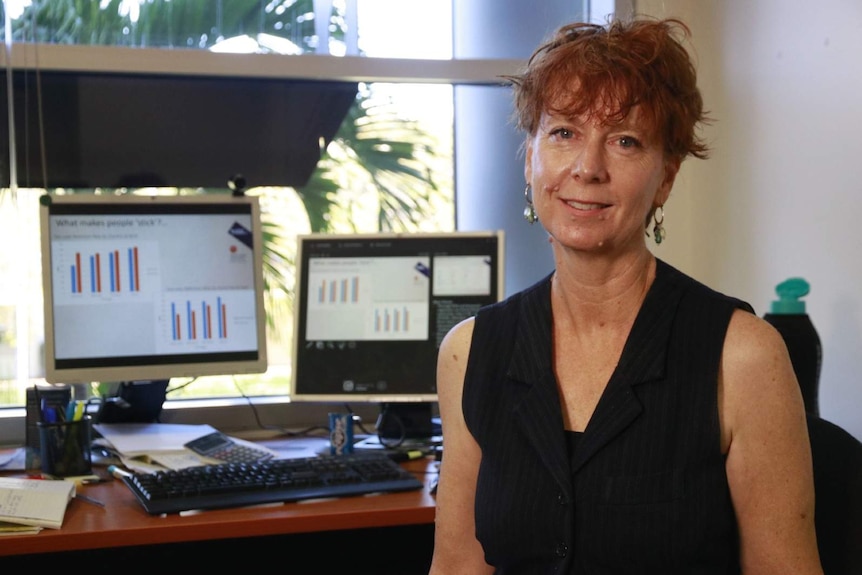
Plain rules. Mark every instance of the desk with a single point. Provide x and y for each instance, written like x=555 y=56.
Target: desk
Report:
x=123 y=523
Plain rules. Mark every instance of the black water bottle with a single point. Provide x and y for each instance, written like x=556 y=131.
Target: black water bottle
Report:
x=789 y=318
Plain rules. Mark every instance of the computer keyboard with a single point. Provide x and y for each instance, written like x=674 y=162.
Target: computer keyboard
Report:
x=274 y=480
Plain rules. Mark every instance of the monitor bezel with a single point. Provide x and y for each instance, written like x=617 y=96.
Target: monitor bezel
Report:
x=380 y=398
x=250 y=363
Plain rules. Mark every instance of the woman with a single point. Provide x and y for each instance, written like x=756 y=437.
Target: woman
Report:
x=618 y=416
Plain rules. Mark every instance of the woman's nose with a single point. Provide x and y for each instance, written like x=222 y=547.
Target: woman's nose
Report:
x=589 y=164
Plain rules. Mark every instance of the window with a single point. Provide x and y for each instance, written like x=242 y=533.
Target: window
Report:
x=362 y=199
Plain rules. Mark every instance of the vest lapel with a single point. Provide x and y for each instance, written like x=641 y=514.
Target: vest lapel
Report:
x=538 y=412
x=643 y=360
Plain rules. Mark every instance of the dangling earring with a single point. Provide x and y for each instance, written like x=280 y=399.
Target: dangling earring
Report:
x=658 y=231
x=529 y=210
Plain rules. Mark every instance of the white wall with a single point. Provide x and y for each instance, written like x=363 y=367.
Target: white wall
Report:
x=781 y=195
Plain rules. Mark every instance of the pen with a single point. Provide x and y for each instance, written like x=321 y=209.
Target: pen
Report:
x=49 y=413
x=406 y=455
x=92 y=480
x=79 y=411
x=90 y=500
x=117 y=472
x=70 y=411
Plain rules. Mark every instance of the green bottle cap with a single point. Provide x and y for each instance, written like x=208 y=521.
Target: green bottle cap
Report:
x=789 y=291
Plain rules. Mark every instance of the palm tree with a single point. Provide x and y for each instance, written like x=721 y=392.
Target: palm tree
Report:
x=196 y=24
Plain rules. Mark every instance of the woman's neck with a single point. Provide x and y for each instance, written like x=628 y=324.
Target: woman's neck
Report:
x=595 y=292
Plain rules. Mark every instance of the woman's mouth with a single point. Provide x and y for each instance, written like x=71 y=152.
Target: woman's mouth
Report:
x=585 y=206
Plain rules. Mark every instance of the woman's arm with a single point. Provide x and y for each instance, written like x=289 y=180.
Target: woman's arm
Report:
x=456 y=550
x=769 y=464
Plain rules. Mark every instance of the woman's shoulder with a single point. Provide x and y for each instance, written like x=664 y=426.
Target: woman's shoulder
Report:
x=752 y=334
x=756 y=368
x=460 y=334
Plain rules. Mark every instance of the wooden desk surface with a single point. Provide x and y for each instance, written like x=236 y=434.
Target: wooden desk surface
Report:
x=124 y=522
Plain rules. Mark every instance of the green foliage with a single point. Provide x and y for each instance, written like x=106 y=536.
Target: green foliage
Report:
x=382 y=158
x=166 y=23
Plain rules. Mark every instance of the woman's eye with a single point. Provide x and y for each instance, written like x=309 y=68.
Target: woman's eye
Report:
x=562 y=133
x=629 y=142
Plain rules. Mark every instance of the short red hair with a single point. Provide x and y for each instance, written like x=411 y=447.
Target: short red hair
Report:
x=593 y=70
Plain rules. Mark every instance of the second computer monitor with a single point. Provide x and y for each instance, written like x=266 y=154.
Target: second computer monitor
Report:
x=371 y=311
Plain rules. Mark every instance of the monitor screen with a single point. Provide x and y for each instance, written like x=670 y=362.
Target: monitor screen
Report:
x=371 y=311
x=151 y=287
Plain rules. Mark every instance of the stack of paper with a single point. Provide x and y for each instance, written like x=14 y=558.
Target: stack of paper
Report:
x=148 y=447
x=34 y=502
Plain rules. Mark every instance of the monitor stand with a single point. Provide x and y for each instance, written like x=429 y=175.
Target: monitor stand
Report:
x=403 y=426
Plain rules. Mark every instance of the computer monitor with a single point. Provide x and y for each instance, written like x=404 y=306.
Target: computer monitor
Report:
x=151 y=287
x=372 y=310
x=88 y=129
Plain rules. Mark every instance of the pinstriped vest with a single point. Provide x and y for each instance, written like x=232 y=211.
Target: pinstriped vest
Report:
x=646 y=490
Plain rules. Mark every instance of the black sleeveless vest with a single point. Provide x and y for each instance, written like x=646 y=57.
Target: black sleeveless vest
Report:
x=646 y=489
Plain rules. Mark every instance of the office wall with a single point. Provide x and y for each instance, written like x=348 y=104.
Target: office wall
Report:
x=780 y=196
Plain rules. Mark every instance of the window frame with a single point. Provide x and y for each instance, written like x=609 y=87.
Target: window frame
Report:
x=125 y=60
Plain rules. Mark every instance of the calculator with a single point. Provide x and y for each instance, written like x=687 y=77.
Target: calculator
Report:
x=219 y=446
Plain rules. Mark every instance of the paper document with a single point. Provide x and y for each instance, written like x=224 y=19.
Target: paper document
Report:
x=34 y=502
x=180 y=459
x=149 y=447
x=132 y=439
x=15 y=529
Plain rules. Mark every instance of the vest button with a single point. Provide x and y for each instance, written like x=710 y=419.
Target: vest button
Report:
x=562 y=550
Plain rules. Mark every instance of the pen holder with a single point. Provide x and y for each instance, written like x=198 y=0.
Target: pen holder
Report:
x=65 y=447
